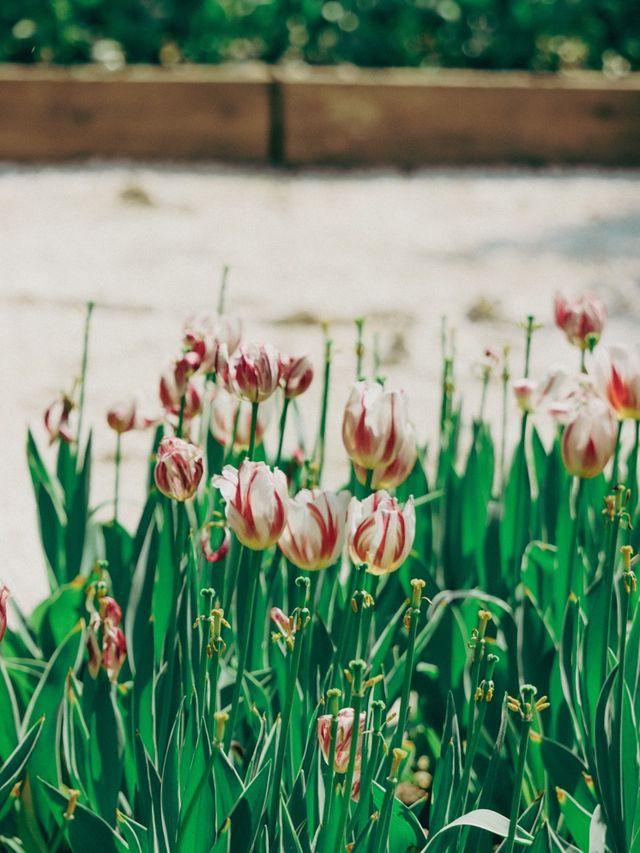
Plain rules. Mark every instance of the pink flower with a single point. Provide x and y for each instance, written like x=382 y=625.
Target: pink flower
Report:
x=179 y=468
x=580 y=319
x=374 y=425
x=214 y=340
x=114 y=652
x=106 y=643
x=254 y=372
x=57 y=419
x=617 y=375
x=256 y=502
x=344 y=736
x=174 y=383
x=225 y=407
x=4 y=595
x=396 y=472
x=314 y=533
x=379 y=532
x=589 y=438
x=124 y=417
x=533 y=396
x=296 y=374
x=220 y=552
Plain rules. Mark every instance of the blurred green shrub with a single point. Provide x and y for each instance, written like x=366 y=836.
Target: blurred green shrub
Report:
x=541 y=35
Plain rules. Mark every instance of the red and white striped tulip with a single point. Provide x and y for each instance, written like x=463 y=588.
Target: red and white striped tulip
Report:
x=106 y=643
x=617 y=375
x=224 y=408
x=214 y=340
x=4 y=595
x=344 y=736
x=379 y=532
x=57 y=419
x=314 y=533
x=124 y=417
x=374 y=425
x=256 y=502
x=589 y=438
x=394 y=474
x=174 y=383
x=254 y=372
x=296 y=374
x=535 y=396
x=179 y=468
x=580 y=320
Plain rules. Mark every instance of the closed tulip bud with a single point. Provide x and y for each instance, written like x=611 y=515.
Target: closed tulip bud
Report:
x=589 y=438
x=374 y=425
x=178 y=468
x=617 y=375
x=256 y=502
x=314 y=533
x=57 y=419
x=229 y=413
x=254 y=372
x=344 y=736
x=174 y=383
x=379 y=532
x=124 y=417
x=4 y=595
x=581 y=320
x=394 y=474
x=296 y=374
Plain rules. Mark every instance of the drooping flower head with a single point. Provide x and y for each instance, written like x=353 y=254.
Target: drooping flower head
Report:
x=254 y=372
x=374 y=425
x=314 y=533
x=379 y=532
x=256 y=502
x=124 y=417
x=57 y=419
x=175 y=383
x=589 y=438
x=617 y=376
x=296 y=374
x=580 y=320
x=179 y=468
x=106 y=642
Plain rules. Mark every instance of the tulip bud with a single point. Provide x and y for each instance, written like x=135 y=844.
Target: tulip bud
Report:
x=57 y=419
x=344 y=736
x=178 y=468
x=580 y=320
x=174 y=384
x=589 y=439
x=379 y=533
x=296 y=375
x=124 y=417
x=617 y=375
x=4 y=595
x=256 y=502
x=394 y=474
x=374 y=425
x=314 y=533
x=254 y=372
x=229 y=413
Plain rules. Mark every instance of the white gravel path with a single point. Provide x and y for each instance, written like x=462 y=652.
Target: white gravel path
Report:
x=148 y=243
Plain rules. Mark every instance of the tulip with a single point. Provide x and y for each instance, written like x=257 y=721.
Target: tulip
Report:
x=314 y=533
x=374 y=425
x=379 y=532
x=394 y=474
x=344 y=736
x=256 y=502
x=590 y=438
x=617 y=375
x=296 y=374
x=554 y=390
x=175 y=384
x=254 y=372
x=178 y=468
x=581 y=320
x=106 y=643
x=213 y=341
x=124 y=417
x=225 y=407
x=57 y=417
x=4 y=595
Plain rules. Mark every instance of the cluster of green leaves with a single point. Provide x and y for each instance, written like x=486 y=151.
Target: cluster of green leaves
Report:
x=544 y=35
x=146 y=765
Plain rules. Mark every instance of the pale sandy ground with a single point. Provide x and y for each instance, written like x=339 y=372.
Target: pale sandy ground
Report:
x=403 y=250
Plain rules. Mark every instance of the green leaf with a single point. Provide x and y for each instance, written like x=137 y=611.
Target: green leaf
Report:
x=405 y=833
x=245 y=818
x=488 y=820
x=577 y=818
x=14 y=764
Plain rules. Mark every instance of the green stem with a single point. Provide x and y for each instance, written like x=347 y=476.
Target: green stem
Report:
x=254 y=428
x=330 y=789
x=616 y=458
x=283 y=424
x=517 y=790
x=583 y=366
x=503 y=437
x=609 y=574
x=322 y=429
x=414 y=613
x=356 y=704
x=573 y=547
x=83 y=372
x=483 y=398
x=223 y=288
x=632 y=473
x=359 y=348
x=529 y=330
x=370 y=761
x=254 y=568
x=117 y=483
x=180 y=427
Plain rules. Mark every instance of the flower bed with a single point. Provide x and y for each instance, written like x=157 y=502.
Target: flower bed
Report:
x=194 y=684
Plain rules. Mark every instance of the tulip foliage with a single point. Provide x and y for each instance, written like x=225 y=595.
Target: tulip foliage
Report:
x=193 y=683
